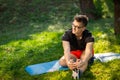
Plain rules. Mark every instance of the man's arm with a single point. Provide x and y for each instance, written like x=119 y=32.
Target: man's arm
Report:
x=88 y=51
x=66 y=47
x=87 y=54
x=69 y=62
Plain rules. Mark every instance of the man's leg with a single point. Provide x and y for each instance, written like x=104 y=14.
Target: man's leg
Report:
x=84 y=67
x=78 y=71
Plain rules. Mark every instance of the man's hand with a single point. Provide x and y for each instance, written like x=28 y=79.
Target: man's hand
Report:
x=79 y=63
x=71 y=64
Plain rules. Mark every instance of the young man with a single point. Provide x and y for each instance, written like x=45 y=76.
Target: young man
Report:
x=78 y=46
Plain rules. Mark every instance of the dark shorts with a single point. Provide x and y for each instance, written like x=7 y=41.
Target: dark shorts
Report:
x=91 y=60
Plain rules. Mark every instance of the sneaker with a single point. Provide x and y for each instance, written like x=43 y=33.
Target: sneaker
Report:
x=76 y=74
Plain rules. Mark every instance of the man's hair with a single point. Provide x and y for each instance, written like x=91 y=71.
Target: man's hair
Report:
x=82 y=18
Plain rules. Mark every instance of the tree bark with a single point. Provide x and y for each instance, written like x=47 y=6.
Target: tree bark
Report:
x=117 y=17
x=87 y=7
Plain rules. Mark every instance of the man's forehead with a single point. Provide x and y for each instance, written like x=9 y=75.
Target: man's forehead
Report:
x=77 y=23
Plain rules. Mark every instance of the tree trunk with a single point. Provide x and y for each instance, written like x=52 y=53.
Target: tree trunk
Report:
x=87 y=7
x=117 y=17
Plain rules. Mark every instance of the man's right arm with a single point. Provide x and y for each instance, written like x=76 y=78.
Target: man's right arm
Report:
x=70 y=63
x=66 y=47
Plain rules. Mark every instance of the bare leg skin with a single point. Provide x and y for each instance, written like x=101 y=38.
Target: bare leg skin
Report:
x=62 y=60
x=84 y=67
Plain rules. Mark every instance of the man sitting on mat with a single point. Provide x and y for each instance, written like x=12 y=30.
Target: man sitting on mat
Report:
x=78 y=46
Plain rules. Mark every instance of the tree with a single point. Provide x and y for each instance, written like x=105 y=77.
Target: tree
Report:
x=87 y=7
x=117 y=17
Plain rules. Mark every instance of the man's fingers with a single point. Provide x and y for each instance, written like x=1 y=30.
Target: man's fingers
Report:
x=72 y=65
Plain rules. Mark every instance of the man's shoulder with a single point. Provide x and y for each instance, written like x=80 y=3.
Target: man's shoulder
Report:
x=87 y=33
x=67 y=35
x=68 y=32
x=88 y=36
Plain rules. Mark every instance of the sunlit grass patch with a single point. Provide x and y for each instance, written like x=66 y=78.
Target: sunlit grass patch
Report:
x=102 y=46
x=57 y=75
x=20 y=53
x=106 y=71
x=37 y=42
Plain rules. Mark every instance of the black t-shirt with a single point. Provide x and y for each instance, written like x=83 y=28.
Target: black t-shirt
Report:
x=76 y=44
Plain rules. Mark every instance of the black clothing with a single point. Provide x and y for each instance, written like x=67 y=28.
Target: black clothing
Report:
x=76 y=44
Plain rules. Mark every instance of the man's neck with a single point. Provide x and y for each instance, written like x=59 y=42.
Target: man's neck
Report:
x=79 y=36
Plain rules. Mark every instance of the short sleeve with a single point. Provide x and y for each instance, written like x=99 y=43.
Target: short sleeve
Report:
x=65 y=36
x=89 y=39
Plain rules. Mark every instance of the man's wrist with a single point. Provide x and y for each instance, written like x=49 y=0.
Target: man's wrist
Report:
x=83 y=61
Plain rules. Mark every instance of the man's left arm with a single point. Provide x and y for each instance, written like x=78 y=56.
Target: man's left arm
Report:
x=88 y=51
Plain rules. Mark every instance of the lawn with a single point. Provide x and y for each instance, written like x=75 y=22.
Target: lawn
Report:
x=35 y=42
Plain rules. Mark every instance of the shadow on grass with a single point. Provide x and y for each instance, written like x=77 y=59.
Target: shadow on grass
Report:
x=14 y=32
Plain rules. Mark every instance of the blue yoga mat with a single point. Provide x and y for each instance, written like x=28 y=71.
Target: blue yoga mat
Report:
x=52 y=66
x=44 y=67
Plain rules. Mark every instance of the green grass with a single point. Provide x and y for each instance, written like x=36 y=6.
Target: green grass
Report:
x=30 y=43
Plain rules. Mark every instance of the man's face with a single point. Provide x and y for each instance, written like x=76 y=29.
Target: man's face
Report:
x=77 y=28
